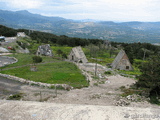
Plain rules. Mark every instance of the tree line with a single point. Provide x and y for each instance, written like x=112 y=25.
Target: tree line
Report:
x=133 y=50
x=43 y=37
x=138 y=50
x=62 y=40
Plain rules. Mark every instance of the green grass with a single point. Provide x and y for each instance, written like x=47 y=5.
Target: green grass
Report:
x=102 y=61
x=65 y=49
x=136 y=72
x=54 y=73
x=103 y=55
x=24 y=59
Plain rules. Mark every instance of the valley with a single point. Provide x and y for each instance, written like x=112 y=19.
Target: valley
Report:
x=129 y=32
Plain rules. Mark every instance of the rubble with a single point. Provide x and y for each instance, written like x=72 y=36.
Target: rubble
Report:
x=122 y=102
x=44 y=50
x=137 y=98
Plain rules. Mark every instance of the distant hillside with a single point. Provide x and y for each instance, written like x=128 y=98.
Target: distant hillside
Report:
x=119 y=32
x=44 y=37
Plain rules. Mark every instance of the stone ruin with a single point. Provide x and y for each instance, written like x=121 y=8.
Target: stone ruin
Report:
x=44 y=50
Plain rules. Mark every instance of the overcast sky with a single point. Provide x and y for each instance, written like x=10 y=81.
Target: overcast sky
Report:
x=108 y=10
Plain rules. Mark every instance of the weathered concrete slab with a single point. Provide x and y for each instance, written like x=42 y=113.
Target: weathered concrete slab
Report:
x=20 y=110
x=5 y=60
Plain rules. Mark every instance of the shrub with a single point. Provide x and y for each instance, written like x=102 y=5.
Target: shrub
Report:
x=122 y=87
x=95 y=84
x=64 y=55
x=37 y=59
x=15 y=97
x=108 y=72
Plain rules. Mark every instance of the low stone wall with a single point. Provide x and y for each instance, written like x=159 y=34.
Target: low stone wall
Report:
x=64 y=86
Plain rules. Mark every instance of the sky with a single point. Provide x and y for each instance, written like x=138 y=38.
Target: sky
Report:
x=106 y=10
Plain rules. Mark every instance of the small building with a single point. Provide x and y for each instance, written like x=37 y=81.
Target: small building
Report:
x=107 y=43
x=21 y=34
x=44 y=50
x=121 y=62
x=2 y=39
x=77 y=55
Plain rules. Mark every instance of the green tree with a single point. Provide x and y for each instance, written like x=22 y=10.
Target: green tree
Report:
x=149 y=81
x=64 y=55
x=36 y=59
x=59 y=52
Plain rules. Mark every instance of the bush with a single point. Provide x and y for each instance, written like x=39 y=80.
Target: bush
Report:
x=122 y=88
x=108 y=72
x=15 y=97
x=22 y=43
x=37 y=59
x=95 y=84
x=154 y=100
x=64 y=55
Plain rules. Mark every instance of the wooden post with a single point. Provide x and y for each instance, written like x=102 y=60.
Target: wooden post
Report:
x=96 y=68
x=56 y=90
x=40 y=96
x=144 y=55
x=88 y=80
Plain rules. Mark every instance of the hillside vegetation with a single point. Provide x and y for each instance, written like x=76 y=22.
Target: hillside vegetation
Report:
x=143 y=56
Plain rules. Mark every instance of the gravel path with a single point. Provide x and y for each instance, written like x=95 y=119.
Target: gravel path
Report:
x=20 y=110
x=31 y=93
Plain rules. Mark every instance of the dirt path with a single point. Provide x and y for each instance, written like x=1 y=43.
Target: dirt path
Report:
x=103 y=94
x=20 y=110
x=31 y=93
x=106 y=93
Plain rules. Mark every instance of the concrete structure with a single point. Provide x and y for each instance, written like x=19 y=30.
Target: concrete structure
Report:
x=122 y=62
x=5 y=60
x=77 y=55
x=44 y=50
x=21 y=34
x=2 y=39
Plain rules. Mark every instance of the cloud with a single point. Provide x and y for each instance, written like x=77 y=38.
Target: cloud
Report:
x=24 y=4
x=103 y=9
x=90 y=9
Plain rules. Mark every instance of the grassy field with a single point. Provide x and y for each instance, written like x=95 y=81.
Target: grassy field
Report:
x=65 y=49
x=136 y=65
x=57 y=72
x=24 y=59
x=103 y=56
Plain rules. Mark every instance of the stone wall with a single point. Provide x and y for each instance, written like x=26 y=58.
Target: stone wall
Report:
x=65 y=86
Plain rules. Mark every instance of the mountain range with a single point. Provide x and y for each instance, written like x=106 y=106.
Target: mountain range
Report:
x=108 y=30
